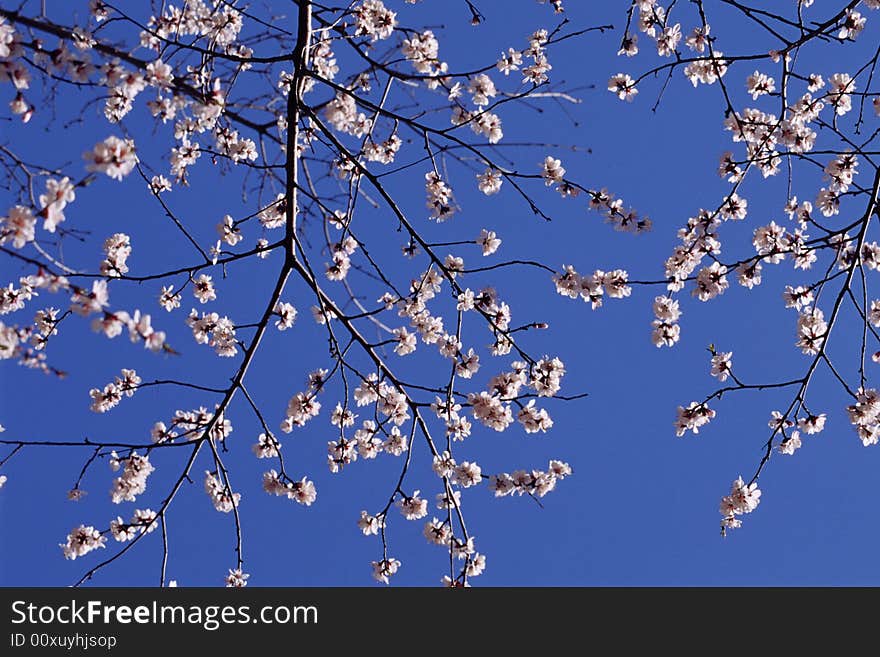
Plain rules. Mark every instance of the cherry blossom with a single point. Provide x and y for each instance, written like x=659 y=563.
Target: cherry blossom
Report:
x=370 y=525
x=113 y=156
x=236 y=578
x=81 y=541
x=133 y=480
x=384 y=569
x=223 y=499
x=18 y=226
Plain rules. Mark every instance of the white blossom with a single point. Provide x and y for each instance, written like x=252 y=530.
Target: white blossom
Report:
x=114 y=156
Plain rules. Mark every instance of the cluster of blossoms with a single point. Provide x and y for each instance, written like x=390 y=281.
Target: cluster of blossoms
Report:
x=692 y=417
x=19 y=224
x=266 y=447
x=707 y=65
x=699 y=239
x=125 y=85
x=864 y=415
x=744 y=498
x=791 y=442
x=14 y=298
x=86 y=302
x=108 y=397
x=117 y=248
x=182 y=157
x=342 y=113
x=439 y=533
x=45 y=323
x=301 y=408
x=721 y=365
x=223 y=499
x=492 y=408
x=772 y=243
x=854 y=22
x=667 y=330
x=140 y=327
x=534 y=482
x=458 y=427
x=14 y=343
x=431 y=328
x=708 y=69
x=219 y=24
x=203 y=288
x=370 y=525
x=169 y=299
x=413 y=507
x=143 y=521
x=367 y=443
x=214 y=331
x=388 y=400
x=439 y=197
x=302 y=491
x=114 y=156
x=553 y=173
x=384 y=569
x=59 y=193
x=623 y=86
x=464 y=474
x=192 y=425
x=133 y=480
x=81 y=541
x=534 y=419
x=237 y=148
x=536 y=72
x=13 y=70
x=812 y=330
x=374 y=20
x=323 y=63
x=621 y=218
x=26 y=343
x=383 y=152
x=236 y=579
x=228 y=231
x=593 y=287
x=422 y=51
x=342 y=252
x=274 y=214
x=482 y=122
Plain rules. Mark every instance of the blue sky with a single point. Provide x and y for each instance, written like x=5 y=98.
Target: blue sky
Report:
x=642 y=506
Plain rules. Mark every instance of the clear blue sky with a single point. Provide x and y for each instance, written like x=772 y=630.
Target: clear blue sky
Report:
x=642 y=506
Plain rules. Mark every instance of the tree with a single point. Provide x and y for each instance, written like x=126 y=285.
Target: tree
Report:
x=818 y=124
x=314 y=115
x=324 y=121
